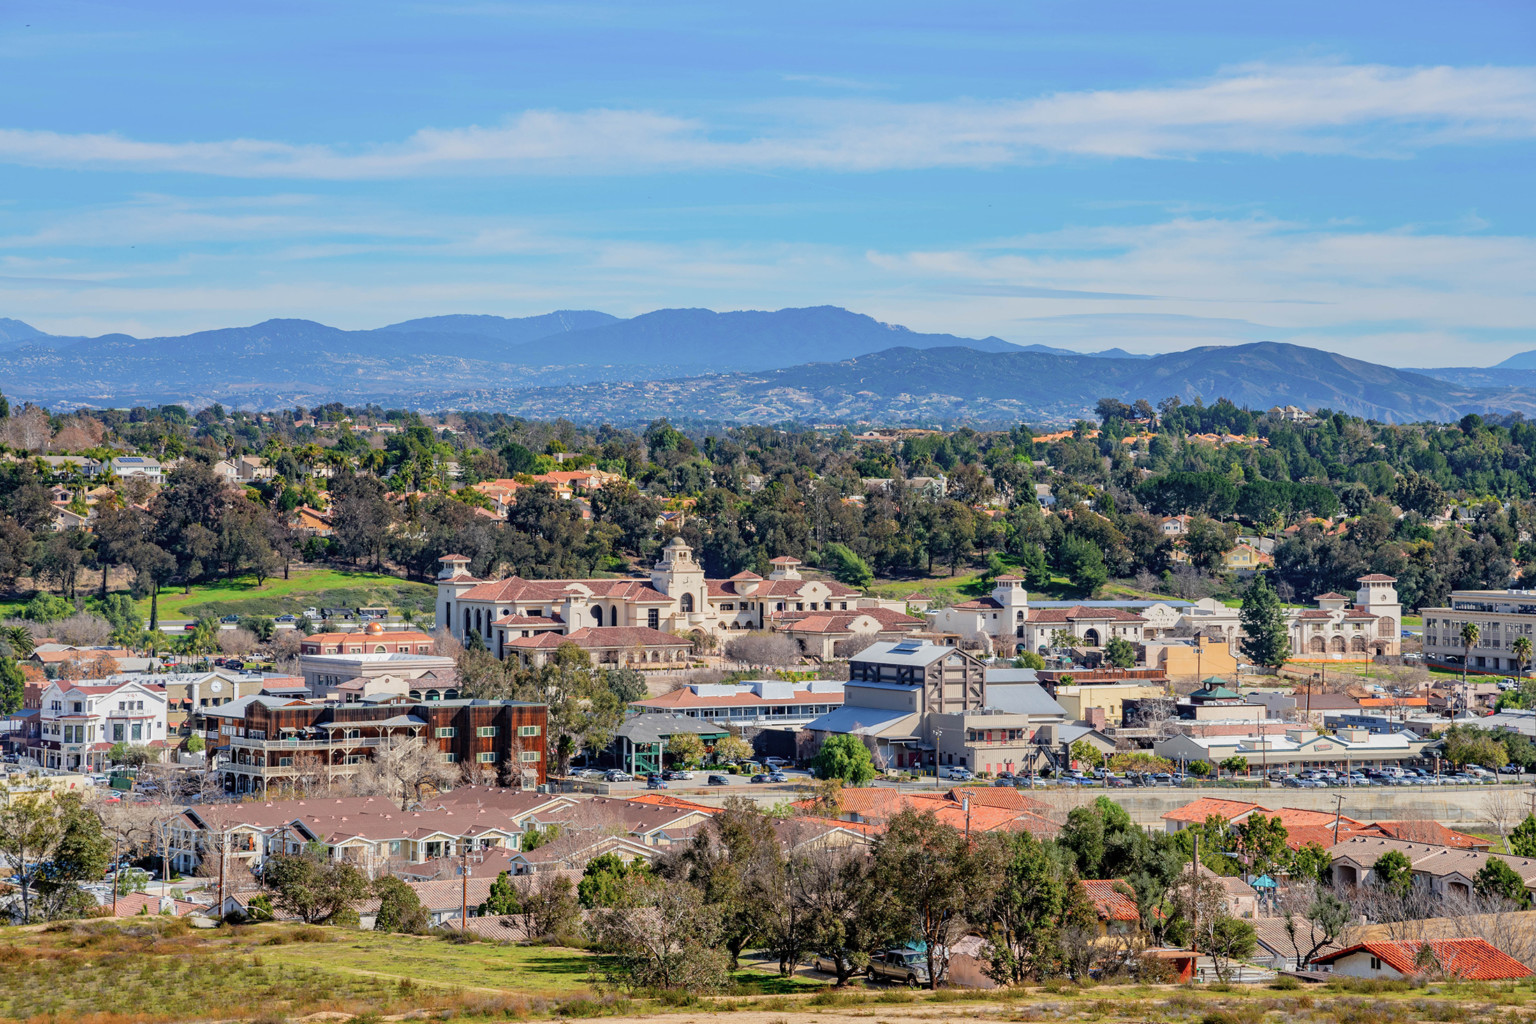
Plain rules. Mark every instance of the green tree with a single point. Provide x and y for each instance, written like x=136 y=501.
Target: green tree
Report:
x=1261 y=840
x=502 y=899
x=1085 y=752
x=1325 y=918
x=1496 y=878
x=400 y=909
x=1120 y=652
x=12 y=686
x=1470 y=635
x=686 y=748
x=1522 y=839
x=1028 y=659
x=1312 y=862
x=602 y=882
x=312 y=887
x=844 y=757
x=1083 y=563
x=663 y=934
x=732 y=748
x=1200 y=769
x=736 y=863
x=1229 y=939
x=846 y=566
x=52 y=844
x=1520 y=647
x=1234 y=764
x=1394 y=873
x=1026 y=913
x=1266 y=640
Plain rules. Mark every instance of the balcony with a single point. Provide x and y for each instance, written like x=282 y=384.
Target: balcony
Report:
x=332 y=744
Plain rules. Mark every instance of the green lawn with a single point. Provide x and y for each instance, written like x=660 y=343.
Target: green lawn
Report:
x=306 y=588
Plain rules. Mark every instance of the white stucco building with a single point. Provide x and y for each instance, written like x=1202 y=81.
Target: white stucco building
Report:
x=79 y=724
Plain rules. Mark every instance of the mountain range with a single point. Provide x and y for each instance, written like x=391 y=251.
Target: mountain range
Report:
x=819 y=364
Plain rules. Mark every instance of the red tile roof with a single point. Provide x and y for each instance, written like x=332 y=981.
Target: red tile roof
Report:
x=1420 y=831
x=1470 y=959
x=1080 y=612
x=1109 y=901
x=667 y=800
x=1376 y=577
x=602 y=636
x=1198 y=810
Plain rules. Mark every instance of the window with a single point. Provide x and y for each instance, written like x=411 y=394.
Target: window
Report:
x=138 y=731
x=653 y=618
x=117 y=731
x=449 y=757
x=446 y=732
x=527 y=730
x=486 y=757
x=528 y=756
x=1375 y=964
x=285 y=762
x=486 y=730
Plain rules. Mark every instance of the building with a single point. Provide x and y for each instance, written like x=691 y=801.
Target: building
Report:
x=125 y=466
x=1114 y=903
x=1500 y=617
x=1443 y=870
x=1334 y=630
x=818 y=633
x=79 y=723
x=1465 y=959
x=267 y=742
x=640 y=744
x=755 y=703
x=677 y=598
x=371 y=639
x=1298 y=748
x=627 y=646
x=434 y=676
x=189 y=694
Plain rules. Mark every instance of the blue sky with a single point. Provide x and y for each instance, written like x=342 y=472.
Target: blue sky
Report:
x=1352 y=176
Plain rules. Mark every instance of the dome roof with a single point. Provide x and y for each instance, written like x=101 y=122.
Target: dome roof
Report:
x=374 y=628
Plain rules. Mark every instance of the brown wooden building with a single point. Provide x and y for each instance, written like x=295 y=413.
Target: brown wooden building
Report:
x=270 y=742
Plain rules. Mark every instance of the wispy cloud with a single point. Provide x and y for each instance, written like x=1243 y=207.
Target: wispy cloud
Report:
x=1363 y=110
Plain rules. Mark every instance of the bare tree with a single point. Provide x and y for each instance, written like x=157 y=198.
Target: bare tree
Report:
x=445 y=644
x=239 y=642
x=83 y=629
x=853 y=645
x=409 y=766
x=763 y=649
x=286 y=643
x=1504 y=809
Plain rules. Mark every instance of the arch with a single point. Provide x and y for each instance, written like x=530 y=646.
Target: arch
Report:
x=1386 y=626
x=1091 y=637
x=378 y=648
x=1379 y=649
x=685 y=604
x=1357 y=644
x=613 y=615
x=434 y=695
x=1315 y=645
x=597 y=614
x=415 y=694
x=1336 y=645
x=466 y=621
x=450 y=695
x=1019 y=633
x=478 y=620
x=1019 y=617
x=656 y=656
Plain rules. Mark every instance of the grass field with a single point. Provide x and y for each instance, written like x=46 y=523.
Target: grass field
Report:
x=155 y=970
x=306 y=588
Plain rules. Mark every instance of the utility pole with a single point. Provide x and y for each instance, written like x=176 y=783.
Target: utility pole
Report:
x=223 y=846
x=1338 y=812
x=464 y=891
x=1194 y=897
x=967 y=803
x=117 y=874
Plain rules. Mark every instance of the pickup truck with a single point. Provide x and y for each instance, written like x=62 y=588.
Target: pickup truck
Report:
x=905 y=966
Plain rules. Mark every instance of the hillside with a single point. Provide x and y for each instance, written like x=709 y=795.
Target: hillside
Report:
x=953 y=385
x=287 y=362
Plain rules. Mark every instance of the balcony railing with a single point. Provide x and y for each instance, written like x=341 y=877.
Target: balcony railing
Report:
x=330 y=744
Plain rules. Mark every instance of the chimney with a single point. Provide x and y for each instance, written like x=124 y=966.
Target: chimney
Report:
x=1097 y=718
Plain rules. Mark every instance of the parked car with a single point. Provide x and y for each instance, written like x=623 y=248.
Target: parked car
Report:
x=828 y=963
x=957 y=774
x=906 y=966
x=655 y=782
x=777 y=777
x=760 y=777
x=286 y=618
x=778 y=762
x=1005 y=778
x=229 y=619
x=616 y=775
x=719 y=780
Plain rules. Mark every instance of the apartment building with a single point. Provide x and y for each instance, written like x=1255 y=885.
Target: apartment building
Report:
x=79 y=723
x=1500 y=617
x=274 y=742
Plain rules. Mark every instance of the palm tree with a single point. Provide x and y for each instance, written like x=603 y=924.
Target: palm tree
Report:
x=1521 y=649
x=19 y=640
x=1470 y=635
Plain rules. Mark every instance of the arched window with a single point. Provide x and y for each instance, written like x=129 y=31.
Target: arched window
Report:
x=686 y=603
x=1386 y=626
x=1357 y=644
x=378 y=648
x=1336 y=645
x=1315 y=645
x=1091 y=637
x=434 y=695
x=466 y=621
x=415 y=695
x=597 y=614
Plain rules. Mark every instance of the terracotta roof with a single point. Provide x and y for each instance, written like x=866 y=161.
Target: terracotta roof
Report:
x=529 y=620
x=979 y=603
x=1314 y=613
x=780 y=588
x=1424 y=831
x=1331 y=596
x=1376 y=577
x=1109 y=901
x=388 y=636
x=135 y=903
x=1081 y=612
x=746 y=576
x=667 y=800
x=1470 y=959
x=1198 y=810
x=601 y=636
x=454 y=558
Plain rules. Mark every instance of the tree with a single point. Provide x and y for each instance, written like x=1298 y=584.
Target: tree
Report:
x=400 y=909
x=732 y=748
x=1234 y=764
x=51 y=843
x=846 y=566
x=1470 y=635
x=845 y=757
x=734 y=862
x=664 y=934
x=1266 y=636
x=1497 y=879
x=1261 y=840
x=1027 y=912
x=686 y=748
x=1083 y=563
x=407 y=767
x=502 y=899
x=1394 y=873
x=763 y=649
x=1227 y=939
x=602 y=881
x=547 y=904
x=312 y=887
x=1120 y=652
x=1200 y=769
x=1520 y=647
x=1312 y=862
x=936 y=881
x=1085 y=752
x=1326 y=917
x=12 y=686
x=1522 y=839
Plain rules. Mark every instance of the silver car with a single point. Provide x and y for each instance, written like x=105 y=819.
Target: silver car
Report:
x=905 y=966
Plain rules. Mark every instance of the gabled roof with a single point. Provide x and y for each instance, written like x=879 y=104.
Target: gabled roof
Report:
x=1107 y=899
x=1198 y=810
x=1470 y=959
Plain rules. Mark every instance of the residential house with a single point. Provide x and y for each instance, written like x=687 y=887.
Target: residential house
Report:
x=1114 y=903
x=818 y=633
x=125 y=466
x=1444 y=870
x=1464 y=959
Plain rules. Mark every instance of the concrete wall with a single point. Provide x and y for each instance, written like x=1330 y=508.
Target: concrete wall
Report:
x=1463 y=807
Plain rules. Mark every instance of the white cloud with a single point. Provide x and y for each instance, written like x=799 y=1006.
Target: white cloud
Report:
x=1366 y=110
